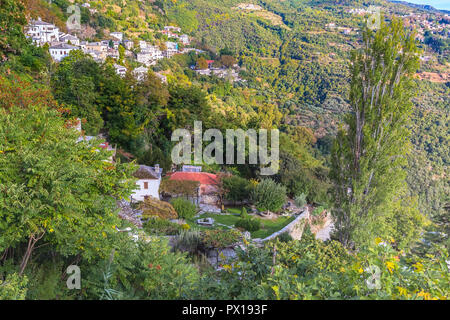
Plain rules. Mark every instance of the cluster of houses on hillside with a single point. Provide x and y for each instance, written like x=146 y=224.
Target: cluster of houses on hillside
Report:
x=232 y=74
x=61 y=44
x=434 y=23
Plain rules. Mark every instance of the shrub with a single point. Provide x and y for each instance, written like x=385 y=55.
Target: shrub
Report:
x=154 y=207
x=236 y=188
x=14 y=287
x=285 y=237
x=244 y=213
x=158 y=226
x=184 y=208
x=220 y=238
x=248 y=224
x=269 y=195
x=189 y=240
x=300 y=200
x=317 y=211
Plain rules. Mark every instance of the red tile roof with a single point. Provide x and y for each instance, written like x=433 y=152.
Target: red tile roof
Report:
x=202 y=177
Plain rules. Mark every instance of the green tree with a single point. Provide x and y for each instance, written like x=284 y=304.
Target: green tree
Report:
x=269 y=195
x=201 y=64
x=12 y=21
x=236 y=188
x=185 y=208
x=121 y=54
x=368 y=157
x=54 y=190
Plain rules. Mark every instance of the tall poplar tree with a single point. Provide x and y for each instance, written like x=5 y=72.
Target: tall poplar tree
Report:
x=369 y=152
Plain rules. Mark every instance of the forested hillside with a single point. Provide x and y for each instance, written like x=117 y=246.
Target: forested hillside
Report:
x=301 y=68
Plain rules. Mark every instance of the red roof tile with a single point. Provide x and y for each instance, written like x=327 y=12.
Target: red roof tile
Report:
x=202 y=177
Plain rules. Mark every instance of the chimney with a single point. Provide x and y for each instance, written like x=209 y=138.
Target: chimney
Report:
x=157 y=168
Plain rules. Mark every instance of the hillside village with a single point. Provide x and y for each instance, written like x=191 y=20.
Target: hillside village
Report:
x=60 y=45
x=207 y=195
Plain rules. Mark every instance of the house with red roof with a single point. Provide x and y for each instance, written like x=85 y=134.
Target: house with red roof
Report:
x=208 y=191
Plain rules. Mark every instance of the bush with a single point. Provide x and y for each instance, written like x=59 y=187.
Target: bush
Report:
x=285 y=237
x=244 y=213
x=248 y=224
x=269 y=195
x=189 y=240
x=158 y=226
x=300 y=200
x=236 y=188
x=14 y=287
x=317 y=211
x=154 y=207
x=184 y=208
x=220 y=238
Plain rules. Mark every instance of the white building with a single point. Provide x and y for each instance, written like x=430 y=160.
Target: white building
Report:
x=149 y=179
x=140 y=73
x=61 y=51
x=149 y=55
x=145 y=58
x=172 y=28
x=128 y=44
x=42 y=32
x=70 y=38
x=117 y=35
x=120 y=70
x=113 y=53
x=142 y=44
x=172 y=48
x=184 y=38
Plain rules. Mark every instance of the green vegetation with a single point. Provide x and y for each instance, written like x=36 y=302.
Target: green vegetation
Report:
x=185 y=208
x=269 y=227
x=369 y=157
x=249 y=224
x=159 y=226
x=268 y=195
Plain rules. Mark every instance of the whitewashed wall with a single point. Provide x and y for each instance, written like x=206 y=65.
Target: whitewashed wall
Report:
x=153 y=189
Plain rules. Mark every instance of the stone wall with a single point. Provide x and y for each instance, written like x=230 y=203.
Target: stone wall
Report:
x=294 y=229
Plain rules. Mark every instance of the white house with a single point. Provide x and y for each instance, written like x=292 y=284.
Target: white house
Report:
x=142 y=44
x=128 y=44
x=184 y=38
x=117 y=35
x=120 y=70
x=61 y=51
x=172 y=28
x=42 y=32
x=149 y=55
x=172 y=48
x=70 y=38
x=140 y=73
x=149 y=179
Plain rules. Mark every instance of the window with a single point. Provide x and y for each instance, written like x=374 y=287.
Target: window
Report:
x=145 y=185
